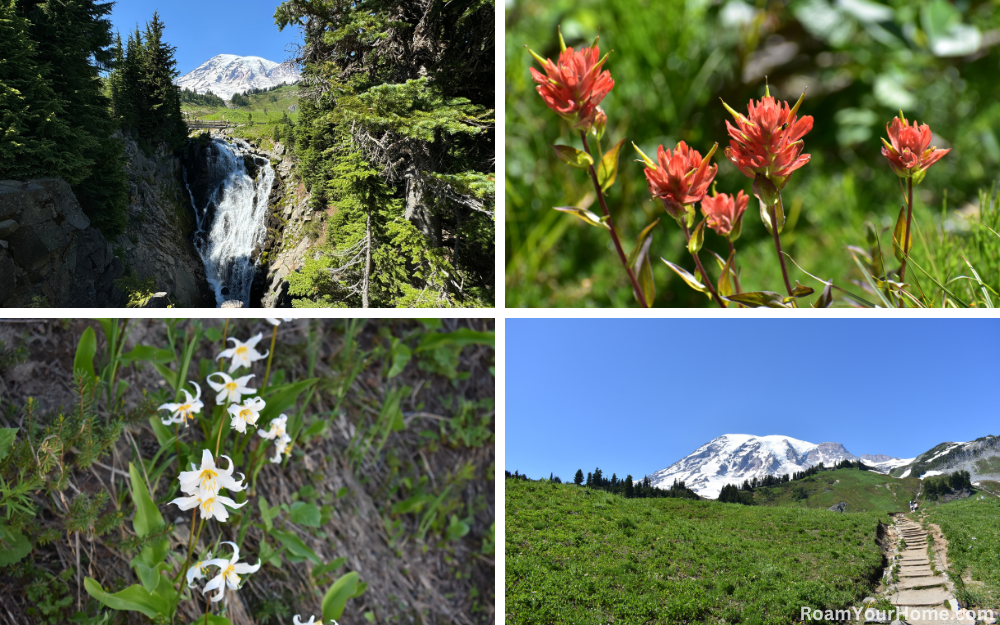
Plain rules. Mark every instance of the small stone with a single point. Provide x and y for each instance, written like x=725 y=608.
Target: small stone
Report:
x=7 y=227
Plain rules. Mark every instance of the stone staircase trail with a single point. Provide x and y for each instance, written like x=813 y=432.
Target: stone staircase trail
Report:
x=919 y=590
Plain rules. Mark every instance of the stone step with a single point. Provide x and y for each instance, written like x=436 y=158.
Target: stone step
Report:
x=911 y=583
x=919 y=598
x=916 y=572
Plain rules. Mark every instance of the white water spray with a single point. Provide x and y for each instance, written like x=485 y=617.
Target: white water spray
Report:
x=231 y=218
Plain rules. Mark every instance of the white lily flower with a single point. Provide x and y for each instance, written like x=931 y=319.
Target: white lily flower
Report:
x=198 y=571
x=243 y=354
x=230 y=389
x=276 y=429
x=246 y=413
x=282 y=446
x=277 y=322
x=186 y=409
x=210 y=478
x=230 y=573
x=296 y=621
x=211 y=505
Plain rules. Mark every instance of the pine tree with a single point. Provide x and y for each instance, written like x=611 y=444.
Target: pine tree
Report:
x=629 y=488
x=578 y=478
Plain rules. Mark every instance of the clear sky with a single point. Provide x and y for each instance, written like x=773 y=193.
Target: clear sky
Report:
x=635 y=396
x=202 y=29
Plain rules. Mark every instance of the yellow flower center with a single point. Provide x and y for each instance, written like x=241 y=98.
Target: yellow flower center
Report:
x=207 y=503
x=241 y=351
x=231 y=387
x=246 y=414
x=208 y=479
x=186 y=408
x=230 y=574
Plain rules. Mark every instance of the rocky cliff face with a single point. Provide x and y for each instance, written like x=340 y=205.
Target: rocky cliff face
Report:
x=50 y=255
x=157 y=242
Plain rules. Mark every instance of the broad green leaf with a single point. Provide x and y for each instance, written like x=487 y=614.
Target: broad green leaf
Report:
x=400 y=356
x=691 y=281
x=335 y=599
x=15 y=546
x=283 y=399
x=461 y=336
x=800 y=290
x=329 y=567
x=147 y=516
x=607 y=170
x=135 y=598
x=898 y=234
x=638 y=244
x=759 y=299
x=573 y=157
x=211 y=620
x=7 y=441
x=264 y=512
x=295 y=545
x=456 y=529
x=585 y=215
x=725 y=279
x=147 y=353
x=148 y=575
x=737 y=230
x=85 y=351
x=697 y=238
x=303 y=513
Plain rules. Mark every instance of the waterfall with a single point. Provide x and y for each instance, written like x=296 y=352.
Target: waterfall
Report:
x=230 y=205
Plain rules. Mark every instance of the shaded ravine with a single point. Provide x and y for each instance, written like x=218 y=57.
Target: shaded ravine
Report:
x=229 y=187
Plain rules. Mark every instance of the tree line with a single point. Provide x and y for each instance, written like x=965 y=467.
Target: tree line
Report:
x=626 y=487
x=59 y=112
x=208 y=98
x=935 y=487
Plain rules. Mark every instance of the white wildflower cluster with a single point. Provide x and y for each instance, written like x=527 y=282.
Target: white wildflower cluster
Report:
x=276 y=432
x=229 y=572
x=203 y=485
x=185 y=410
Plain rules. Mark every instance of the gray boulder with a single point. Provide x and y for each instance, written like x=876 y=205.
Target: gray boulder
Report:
x=840 y=507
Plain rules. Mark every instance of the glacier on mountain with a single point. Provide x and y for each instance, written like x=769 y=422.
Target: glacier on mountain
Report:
x=228 y=74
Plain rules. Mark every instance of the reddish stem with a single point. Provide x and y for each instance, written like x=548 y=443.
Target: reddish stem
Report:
x=611 y=227
x=906 y=237
x=704 y=275
x=777 y=244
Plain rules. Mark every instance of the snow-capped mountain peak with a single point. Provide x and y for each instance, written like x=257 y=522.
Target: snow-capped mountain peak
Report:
x=227 y=74
x=733 y=458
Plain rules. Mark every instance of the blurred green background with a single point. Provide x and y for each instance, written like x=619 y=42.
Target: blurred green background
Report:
x=862 y=61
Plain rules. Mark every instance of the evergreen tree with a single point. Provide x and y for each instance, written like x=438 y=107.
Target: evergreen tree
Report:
x=590 y=478
x=578 y=478
x=629 y=488
x=400 y=140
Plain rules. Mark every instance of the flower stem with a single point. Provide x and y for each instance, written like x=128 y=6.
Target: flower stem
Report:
x=177 y=447
x=192 y=542
x=736 y=275
x=701 y=269
x=218 y=438
x=611 y=227
x=906 y=237
x=270 y=355
x=777 y=245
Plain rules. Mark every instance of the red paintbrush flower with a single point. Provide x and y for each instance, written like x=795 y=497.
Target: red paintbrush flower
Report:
x=575 y=85
x=908 y=150
x=682 y=177
x=769 y=140
x=723 y=212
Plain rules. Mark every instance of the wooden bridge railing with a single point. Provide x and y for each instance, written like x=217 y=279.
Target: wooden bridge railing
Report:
x=197 y=123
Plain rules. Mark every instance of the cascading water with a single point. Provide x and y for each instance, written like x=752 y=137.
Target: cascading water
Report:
x=229 y=189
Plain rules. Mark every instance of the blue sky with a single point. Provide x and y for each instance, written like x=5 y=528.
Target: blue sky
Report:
x=202 y=29
x=634 y=396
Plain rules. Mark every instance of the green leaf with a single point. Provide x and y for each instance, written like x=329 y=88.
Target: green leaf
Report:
x=7 y=441
x=585 y=215
x=607 y=170
x=15 y=546
x=725 y=279
x=690 y=279
x=898 y=234
x=644 y=274
x=148 y=575
x=212 y=620
x=295 y=545
x=400 y=356
x=265 y=512
x=461 y=336
x=573 y=157
x=769 y=198
x=456 y=529
x=638 y=244
x=282 y=399
x=759 y=299
x=147 y=353
x=329 y=567
x=825 y=298
x=697 y=238
x=800 y=290
x=135 y=598
x=303 y=513
x=85 y=351
x=335 y=599
x=147 y=515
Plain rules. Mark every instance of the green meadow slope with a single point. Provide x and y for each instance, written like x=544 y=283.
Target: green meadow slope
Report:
x=258 y=119
x=862 y=491
x=580 y=556
x=972 y=528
